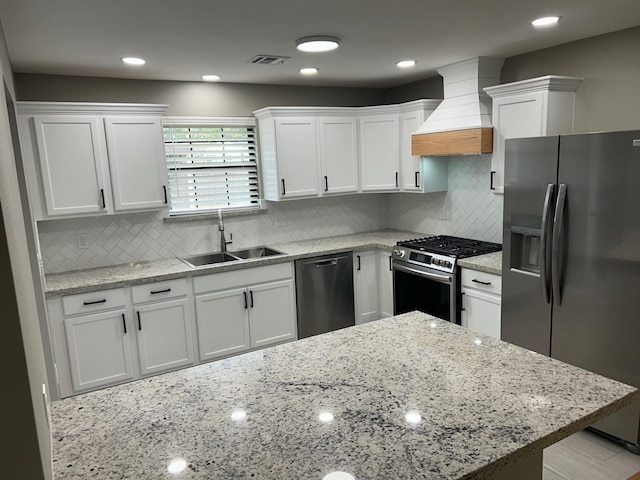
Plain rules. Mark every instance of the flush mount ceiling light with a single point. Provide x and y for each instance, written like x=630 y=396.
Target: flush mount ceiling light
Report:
x=133 y=60
x=318 y=43
x=545 y=21
x=309 y=71
x=406 y=63
x=210 y=78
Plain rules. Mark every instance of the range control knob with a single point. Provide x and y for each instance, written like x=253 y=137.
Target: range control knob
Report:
x=398 y=253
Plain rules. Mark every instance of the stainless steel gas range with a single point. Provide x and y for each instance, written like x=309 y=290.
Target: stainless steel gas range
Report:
x=425 y=274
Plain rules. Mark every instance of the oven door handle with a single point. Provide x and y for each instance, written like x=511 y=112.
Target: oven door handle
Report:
x=420 y=273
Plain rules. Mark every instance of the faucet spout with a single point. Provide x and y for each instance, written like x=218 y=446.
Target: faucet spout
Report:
x=223 y=241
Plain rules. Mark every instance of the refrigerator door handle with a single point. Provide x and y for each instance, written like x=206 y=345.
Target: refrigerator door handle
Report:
x=544 y=274
x=556 y=248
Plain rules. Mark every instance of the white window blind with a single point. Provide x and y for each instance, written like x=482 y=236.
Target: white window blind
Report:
x=211 y=167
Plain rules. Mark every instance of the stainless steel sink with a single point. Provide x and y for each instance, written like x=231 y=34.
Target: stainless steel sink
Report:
x=209 y=259
x=256 y=252
x=224 y=257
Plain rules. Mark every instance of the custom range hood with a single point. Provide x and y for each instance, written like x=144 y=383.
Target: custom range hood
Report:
x=461 y=125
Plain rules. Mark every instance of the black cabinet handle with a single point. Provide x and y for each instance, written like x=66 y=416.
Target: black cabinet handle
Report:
x=124 y=324
x=284 y=190
x=491 y=187
x=155 y=292
x=326 y=183
x=164 y=188
x=104 y=205
x=251 y=295
x=462 y=309
x=139 y=322
x=390 y=267
x=397 y=179
x=358 y=257
x=481 y=282
x=104 y=300
x=245 y=300
x=417 y=175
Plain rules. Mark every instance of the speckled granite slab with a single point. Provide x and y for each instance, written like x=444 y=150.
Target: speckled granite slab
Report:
x=489 y=263
x=80 y=281
x=409 y=397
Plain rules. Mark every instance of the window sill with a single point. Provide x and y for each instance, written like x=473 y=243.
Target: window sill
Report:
x=191 y=217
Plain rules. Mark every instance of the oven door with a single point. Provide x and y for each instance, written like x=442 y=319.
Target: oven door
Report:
x=417 y=287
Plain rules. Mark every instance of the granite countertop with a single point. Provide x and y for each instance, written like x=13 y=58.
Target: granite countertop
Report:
x=391 y=399
x=82 y=281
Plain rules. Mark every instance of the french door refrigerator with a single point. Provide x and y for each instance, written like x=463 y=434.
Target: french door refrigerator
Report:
x=571 y=256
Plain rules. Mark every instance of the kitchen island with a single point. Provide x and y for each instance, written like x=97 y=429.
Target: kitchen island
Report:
x=408 y=397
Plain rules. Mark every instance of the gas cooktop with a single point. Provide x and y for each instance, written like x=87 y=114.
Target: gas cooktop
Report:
x=451 y=246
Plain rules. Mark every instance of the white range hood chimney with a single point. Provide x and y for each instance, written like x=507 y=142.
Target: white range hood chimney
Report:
x=461 y=125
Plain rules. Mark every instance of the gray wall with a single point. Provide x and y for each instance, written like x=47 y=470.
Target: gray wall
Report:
x=26 y=450
x=190 y=98
x=609 y=97
x=427 y=88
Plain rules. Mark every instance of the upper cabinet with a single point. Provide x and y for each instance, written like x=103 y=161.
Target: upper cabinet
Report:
x=529 y=108
x=88 y=159
x=317 y=151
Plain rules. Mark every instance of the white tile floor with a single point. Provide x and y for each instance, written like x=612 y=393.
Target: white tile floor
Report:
x=587 y=456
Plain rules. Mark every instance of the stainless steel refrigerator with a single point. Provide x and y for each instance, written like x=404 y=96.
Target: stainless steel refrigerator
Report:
x=571 y=256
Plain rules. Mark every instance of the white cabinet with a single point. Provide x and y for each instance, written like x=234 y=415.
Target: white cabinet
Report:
x=385 y=283
x=481 y=302
x=380 y=152
x=99 y=349
x=365 y=279
x=529 y=108
x=338 y=142
x=88 y=159
x=244 y=309
x=419 y=174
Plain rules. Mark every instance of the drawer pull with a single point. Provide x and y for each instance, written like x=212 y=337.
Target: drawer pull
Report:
x=104 y=300
x=481 y=282
x=124 y=324
x=139 y=322
x=155 y=292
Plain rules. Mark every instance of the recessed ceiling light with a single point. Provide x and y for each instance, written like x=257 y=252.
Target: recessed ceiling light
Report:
x=318 y=43
x=211 y=78
x=133 y=61
x=309 y=71
x=545 y=21
x=406 y=63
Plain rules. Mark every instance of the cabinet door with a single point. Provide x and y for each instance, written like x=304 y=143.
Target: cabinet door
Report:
x=165 y=338
x=136 y=157
x=385 y=283
x=366 y=286
x=72 y=161
x=338 y=139
x=296 y=154
x=380 y=153
x=272 y=317
x=513 y=117
x=481 y=312
x=99 y=349
x=411 y=165
x=223 y=323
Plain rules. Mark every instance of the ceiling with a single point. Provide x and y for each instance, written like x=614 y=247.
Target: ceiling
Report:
x=184 y=39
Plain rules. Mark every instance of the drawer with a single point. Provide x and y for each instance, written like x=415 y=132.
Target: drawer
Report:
x=243 y=277
x=94 y=301
x=152 y=292
x=486 y=282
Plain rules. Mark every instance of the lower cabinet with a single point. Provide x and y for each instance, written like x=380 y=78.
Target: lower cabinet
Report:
x=373 y=285
x=481 y=302
x=244 y=309
x=385 y=283
x=99 y=349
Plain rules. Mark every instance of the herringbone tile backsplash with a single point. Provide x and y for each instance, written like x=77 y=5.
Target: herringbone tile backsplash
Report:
x=468 y=209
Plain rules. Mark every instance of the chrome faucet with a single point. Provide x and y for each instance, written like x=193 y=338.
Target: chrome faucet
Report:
x=223 y=241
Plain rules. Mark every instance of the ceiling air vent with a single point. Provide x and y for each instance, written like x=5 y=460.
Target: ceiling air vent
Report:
x=268 y=59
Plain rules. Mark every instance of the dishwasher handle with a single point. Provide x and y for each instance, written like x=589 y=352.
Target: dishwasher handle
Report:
x=326 y=263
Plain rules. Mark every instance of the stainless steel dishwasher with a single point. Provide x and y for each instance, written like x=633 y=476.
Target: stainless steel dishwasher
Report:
x=324 y=291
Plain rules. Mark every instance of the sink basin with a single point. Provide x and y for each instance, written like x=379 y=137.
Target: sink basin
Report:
x=209 y=259
x=256 y=252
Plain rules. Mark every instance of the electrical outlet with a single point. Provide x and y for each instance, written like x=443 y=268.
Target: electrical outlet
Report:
x=281 y=220
x=443 y=213
x=82 y=240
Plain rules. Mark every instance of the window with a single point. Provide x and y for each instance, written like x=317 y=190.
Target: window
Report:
x=211 y=165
